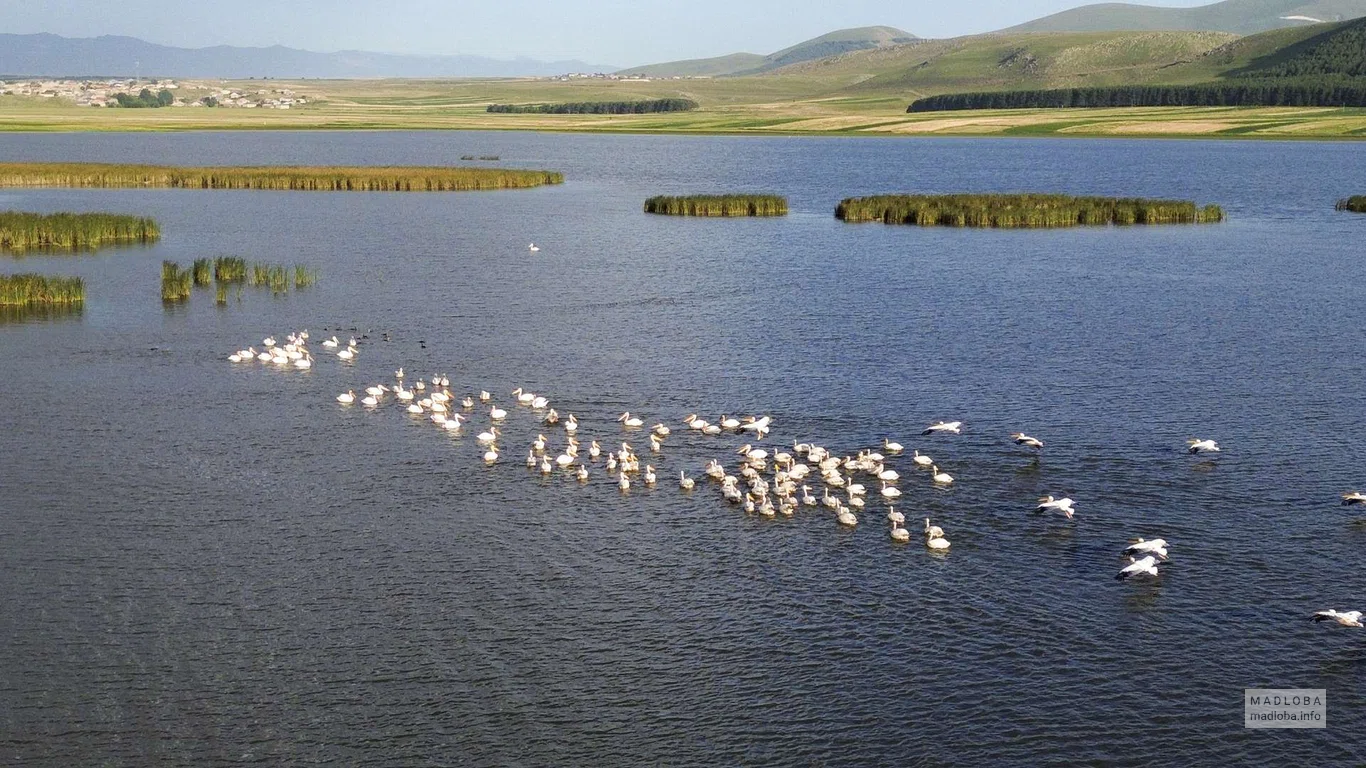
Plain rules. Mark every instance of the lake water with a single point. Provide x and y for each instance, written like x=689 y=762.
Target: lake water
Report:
x=204 y=563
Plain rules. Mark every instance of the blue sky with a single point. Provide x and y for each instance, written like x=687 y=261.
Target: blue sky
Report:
x=597 y=31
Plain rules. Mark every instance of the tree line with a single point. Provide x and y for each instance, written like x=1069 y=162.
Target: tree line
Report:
x=1262 y=93
x=599 y=107
x=145 y=98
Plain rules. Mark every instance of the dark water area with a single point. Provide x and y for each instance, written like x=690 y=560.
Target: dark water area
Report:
x=207 y=563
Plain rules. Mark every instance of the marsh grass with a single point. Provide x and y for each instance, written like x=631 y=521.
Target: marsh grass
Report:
x=1023 y=211
x=304 y=276
x=176 y=284
x=29 y=290
x=304 y=178
x=72 y=231
x=203 y=272
x=229 y=269
x=717 y=205
x=220 y=293
x=1355 y=204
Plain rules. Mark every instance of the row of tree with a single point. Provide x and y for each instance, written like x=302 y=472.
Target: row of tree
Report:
x=599 y=107
x=1341 y=51
x=1237 y=93
x=145 y=98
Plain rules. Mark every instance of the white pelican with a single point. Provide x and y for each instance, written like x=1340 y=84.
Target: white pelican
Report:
x=1202 y=446
x=331 y=343
x=807 y=498
x=943 y=426
x=888 y=492
x=269 y=341
x=649 y=475
x=539 y=402
x=627 y=420
x=1147 y=565
x=933 y=531
x=661 y=430
x=1021 y=438
x=757 y=425
x=445 y=382
x=489 y=436
x=856 y=502
x=1345 y=618
x=546 y=466
x=539 y=444
x=439 y=419
x=497 y=414
x=398 y=374
x=900 y=534
x=922 y=460
x=403 y=394
x=452 y=424
x=729 y=422
x=594 y=450
x=891 y=447
x=685 y=482
x=377 y=391
x=414 y=408
x=370 y=400
x=711 y=429
x=234 y=358
x=523 y=397
x=623 y=482
x=937 y=542
x=347 y=354
x=571 y=425
x=1063 y=505
x=491 y=455
x=845 y=517
x=694 y=422
x=890 y=475
x=1355 y=497
x=484 y=395
x=583 y=473
x=533 y=247
x=467 y=403
x=564 y=460
x=943 y=478
x=1151 y=547
x=348 y=397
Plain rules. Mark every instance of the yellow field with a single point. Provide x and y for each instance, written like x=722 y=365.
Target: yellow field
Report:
x=755 y=105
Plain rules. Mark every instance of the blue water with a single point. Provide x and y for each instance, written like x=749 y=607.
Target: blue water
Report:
x=205 y=563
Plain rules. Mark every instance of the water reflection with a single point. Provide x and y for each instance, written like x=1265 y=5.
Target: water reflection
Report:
x=40 y=313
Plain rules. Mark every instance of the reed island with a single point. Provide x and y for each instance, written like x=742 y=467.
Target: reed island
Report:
x=21 y=231
x=1021 y=211
x=294 y=178
x=718 y=205
x=1355 y=204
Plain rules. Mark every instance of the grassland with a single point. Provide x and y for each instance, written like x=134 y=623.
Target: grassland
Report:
x=861 y=92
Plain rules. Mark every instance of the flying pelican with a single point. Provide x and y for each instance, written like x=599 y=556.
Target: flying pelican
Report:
x=1202 y=446
x=348 y=397
x=943 y=426
x=1150 y=547
x=1345 y=618
x=943 y=478
x=627 y=420
x=757 y=425
x=1023 y=439
x=685 y=482
x=1147 y=565
x=1063 y=505
x=891 y=447
x=1355 y=497
x=533 y=247
x=921 y=460
x=900 y=534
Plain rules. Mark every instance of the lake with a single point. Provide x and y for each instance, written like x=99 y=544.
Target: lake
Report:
x=208 y=563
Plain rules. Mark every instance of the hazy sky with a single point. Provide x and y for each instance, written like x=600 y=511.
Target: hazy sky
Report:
x=596 y=31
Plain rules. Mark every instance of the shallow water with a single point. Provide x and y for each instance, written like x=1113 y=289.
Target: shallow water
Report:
x=208 y=563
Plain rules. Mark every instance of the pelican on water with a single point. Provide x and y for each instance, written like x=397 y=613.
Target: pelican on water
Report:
x=347 y=398
x=627 y=420
x=900 y=534
x=685 y=482
x=943 y=478
x=1345 y=618
x=933 y=531
x=533 y=247
x=943 y=426
x=921 y=460
x=891 y=447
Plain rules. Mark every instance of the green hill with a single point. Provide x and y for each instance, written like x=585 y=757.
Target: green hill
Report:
x=830 y=44
x=1237 y=16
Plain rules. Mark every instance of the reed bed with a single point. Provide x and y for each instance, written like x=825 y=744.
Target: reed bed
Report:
x=306 y=178
x=1355 y=204
x=229 y=269
x=203 y=272
x=718 y=205
x=30 y=290
x=220 y=293
x=1023 y=211
x=76 y=231
x=176 y=284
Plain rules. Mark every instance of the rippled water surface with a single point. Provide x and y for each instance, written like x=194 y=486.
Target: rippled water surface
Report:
x=204 y=563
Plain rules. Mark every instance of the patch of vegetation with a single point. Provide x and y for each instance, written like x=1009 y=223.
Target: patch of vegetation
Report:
x=1339 y=51
x=718 y=205
x=76 y=231
x=28 y=289
x=1028 y=211
x=1355 y=204
x=176 y=284
x=146 y=99
x=326 y=179
x=1259 y=93
x=599 y=107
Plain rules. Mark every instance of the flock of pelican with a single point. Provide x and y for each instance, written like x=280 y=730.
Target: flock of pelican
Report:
x=763 y=483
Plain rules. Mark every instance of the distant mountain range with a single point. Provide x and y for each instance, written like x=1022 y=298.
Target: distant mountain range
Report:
x=830 y=44
x=109 y=55
x=1242 y=17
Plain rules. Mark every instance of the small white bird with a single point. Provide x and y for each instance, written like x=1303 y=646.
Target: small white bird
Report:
x=1345 y=618
x=1023 y=439
x=1152 y=546
x=943 y=426
x=533 y=247
x=348 y=397
x=583 y=473
x=1147 y=565
x=491 y=455
x=623 y=482
x=1063 y=505
x=370 y=400
x=398 y=374
x=1202 y=446
x=497 y=414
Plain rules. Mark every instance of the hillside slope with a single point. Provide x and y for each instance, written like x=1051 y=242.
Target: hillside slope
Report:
x=1237 y=16
x=830 y=44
